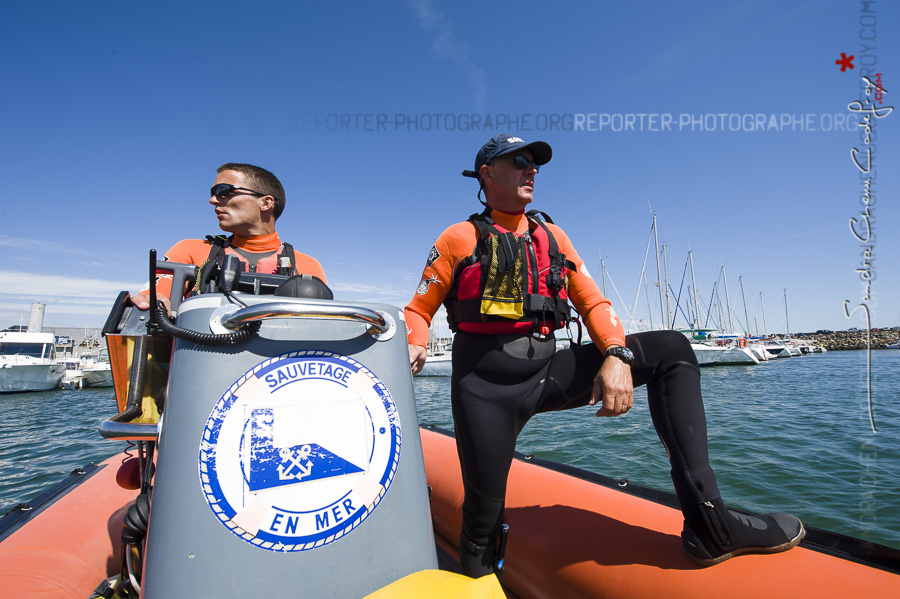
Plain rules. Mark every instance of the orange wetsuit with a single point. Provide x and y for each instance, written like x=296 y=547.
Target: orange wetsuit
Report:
x=196 y=251
x=458 y=242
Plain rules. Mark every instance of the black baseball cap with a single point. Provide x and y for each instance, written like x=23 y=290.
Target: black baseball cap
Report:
x=506 y=143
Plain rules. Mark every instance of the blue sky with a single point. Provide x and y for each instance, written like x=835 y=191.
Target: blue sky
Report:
x=115 y=116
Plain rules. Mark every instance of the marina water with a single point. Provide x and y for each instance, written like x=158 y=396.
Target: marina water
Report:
x=790 y=435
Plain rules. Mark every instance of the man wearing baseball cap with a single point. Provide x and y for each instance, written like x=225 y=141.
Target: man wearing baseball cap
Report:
x=506 y=278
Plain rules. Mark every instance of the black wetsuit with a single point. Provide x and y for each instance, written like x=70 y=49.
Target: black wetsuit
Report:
x=500 y=381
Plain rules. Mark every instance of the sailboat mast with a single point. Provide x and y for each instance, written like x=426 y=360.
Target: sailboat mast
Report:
x=649 y=309
x=694 y=285
x=658 y=273
x=763 y=308
x=603 y=274
x=669 y=322
x=720 y=322
x=786 y=325
x=746 y=314
x=727 y=302
x=713 y=295
x=642 y=280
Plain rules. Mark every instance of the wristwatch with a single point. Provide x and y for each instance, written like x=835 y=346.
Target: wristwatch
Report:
x=621 y=352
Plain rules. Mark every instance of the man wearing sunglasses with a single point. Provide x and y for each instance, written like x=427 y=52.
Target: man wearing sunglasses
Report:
x=506 y=277
x=247 y=201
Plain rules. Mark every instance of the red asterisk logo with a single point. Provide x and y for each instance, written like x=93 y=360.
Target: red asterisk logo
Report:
x=845 y=61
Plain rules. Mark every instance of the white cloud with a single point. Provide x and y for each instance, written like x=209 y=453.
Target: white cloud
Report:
x=445 y=46
x=35 y=245
x=37 y=287
x=68 y=300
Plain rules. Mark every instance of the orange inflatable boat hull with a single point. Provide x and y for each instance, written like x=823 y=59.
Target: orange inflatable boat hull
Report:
x=67 y=549
x=575 y=538
x=569 y=537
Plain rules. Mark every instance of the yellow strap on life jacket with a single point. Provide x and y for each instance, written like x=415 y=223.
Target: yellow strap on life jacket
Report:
x=503 y=284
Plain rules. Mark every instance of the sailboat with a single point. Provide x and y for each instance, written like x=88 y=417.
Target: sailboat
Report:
x=439 y=359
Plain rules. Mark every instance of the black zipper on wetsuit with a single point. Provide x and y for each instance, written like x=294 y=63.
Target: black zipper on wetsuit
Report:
x=717 y=525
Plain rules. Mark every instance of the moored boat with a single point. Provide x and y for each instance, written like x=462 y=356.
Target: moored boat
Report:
x=758 y=350
x=777 y=348
x=439 y=356
x=28 y=362
x=28 y=356
x=707 y=355
x=713 y=354
x=73 y=377
x=437 y=364
x=97 y=371
x=737 y=355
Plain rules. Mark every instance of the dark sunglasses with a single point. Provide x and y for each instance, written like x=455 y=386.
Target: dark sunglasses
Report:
x=223 y=190
x=522 y=163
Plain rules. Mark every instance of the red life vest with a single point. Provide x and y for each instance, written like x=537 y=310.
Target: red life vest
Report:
x=511 y=283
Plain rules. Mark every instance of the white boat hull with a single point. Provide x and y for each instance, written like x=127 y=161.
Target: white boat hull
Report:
x=759 y=352
x=778 y=351
x=737 y=355
x=437 y=366
x=98 y=378
x=28 y=362
x=15 y=378
x=712 y=355
x=707 y=355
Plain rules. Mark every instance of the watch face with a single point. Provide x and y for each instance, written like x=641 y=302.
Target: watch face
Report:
x=622 y=352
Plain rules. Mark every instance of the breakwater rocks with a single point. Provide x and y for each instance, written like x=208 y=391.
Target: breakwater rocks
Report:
x=853 y=339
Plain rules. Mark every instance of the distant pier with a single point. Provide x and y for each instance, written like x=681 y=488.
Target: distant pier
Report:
x=841 y=340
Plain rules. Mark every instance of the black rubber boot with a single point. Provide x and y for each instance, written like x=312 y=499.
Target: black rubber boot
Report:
x=712 y=533
x=475 y=560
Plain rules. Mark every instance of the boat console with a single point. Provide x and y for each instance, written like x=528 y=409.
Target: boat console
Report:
x=287 y=451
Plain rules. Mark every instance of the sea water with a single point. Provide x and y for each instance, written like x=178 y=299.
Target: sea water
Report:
x=792 y=435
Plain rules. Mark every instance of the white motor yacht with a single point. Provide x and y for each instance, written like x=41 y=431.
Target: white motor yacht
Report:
x=28 y=362
x=97 y=371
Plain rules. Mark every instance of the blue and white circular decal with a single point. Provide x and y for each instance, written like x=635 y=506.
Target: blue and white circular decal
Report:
x=299 y=450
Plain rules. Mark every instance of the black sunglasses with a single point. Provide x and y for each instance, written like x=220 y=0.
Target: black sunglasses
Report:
x=522 y=163
x=223 y=190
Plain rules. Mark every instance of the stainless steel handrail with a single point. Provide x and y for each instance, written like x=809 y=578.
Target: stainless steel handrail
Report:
x=121 y=430
x=381 y=324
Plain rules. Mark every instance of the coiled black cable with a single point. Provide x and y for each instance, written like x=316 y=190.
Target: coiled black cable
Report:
x=134 y=527
x=162 y=320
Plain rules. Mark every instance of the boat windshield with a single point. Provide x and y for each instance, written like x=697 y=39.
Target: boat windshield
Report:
x=36 y=350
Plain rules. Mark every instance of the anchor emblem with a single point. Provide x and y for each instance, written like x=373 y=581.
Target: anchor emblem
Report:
x=290 y=460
